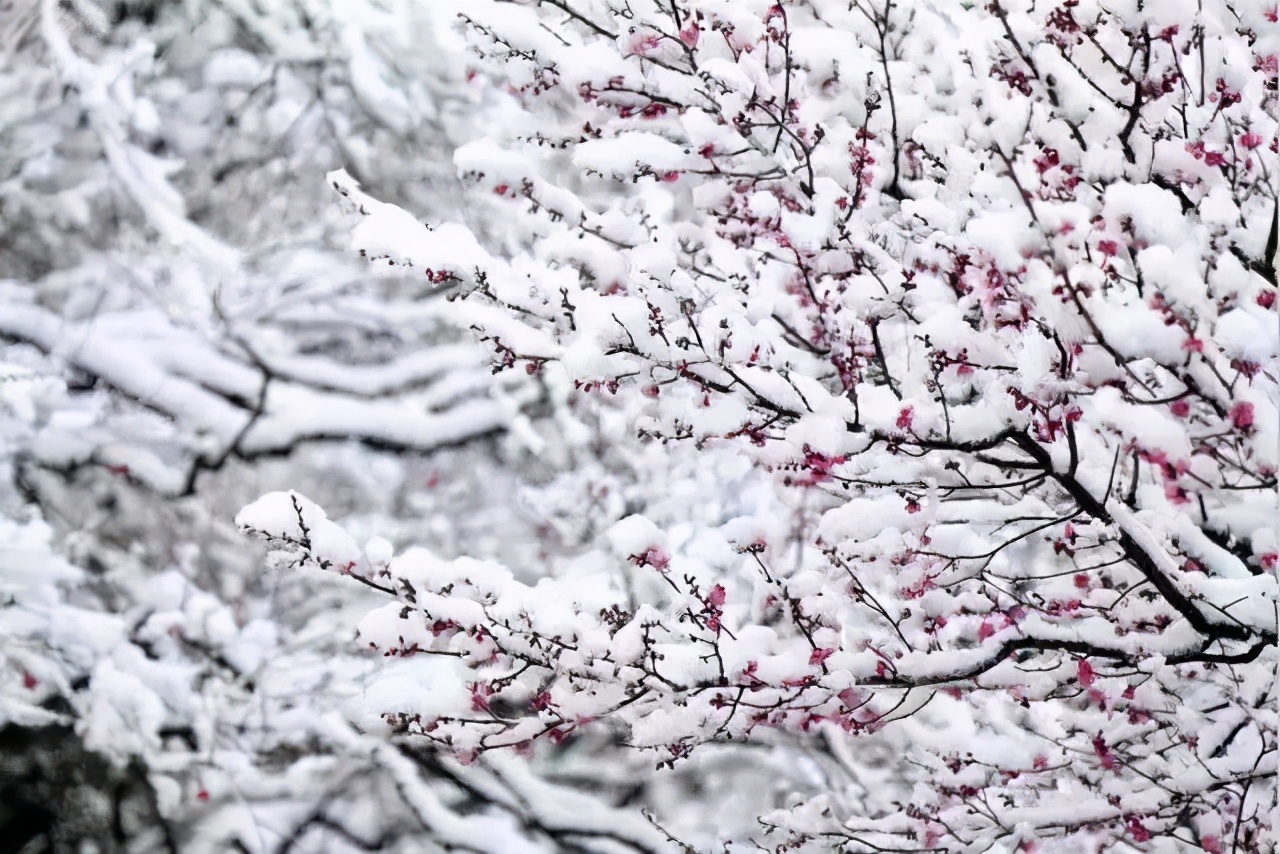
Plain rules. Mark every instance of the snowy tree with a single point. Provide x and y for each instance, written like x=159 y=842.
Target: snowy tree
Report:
x=936 y=349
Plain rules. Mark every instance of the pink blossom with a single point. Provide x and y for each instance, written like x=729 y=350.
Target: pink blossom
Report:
x=1242 y=416
x=690 y=32
x=716 y=597
x=1251 y=139
x=1138 y=831
x=905 y=417
x=480 y=694
x=819 y=655
x=654 y=557
x=642 y=42
x=850 y=697
x=1103 y=752
x=820 y=465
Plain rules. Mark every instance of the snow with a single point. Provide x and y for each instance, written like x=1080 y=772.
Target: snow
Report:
x=635 y=535
x=622 y=438
x=1154 y=211
x=292 y=517
x=1247 y=334
x=622 y=154
x=232 y=68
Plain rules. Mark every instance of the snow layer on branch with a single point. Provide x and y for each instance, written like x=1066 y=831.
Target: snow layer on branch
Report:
x=388 y=232
x=291 y=518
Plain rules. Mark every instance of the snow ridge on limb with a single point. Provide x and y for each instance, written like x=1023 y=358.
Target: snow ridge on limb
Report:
x=227 y=399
